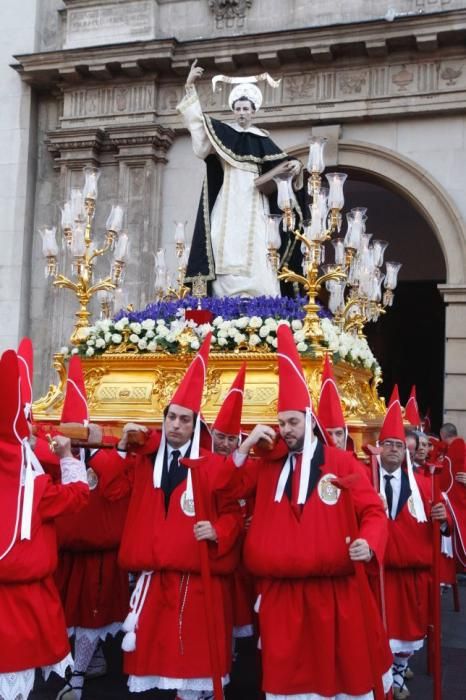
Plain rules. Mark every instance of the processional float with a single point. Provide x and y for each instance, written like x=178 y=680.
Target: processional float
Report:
x=134 y=360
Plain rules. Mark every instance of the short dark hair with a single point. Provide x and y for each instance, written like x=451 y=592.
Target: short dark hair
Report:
x=449 y=430
x=165 y=411
x=244 y=99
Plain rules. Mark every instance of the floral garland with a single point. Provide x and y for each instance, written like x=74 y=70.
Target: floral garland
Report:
x=163 y=328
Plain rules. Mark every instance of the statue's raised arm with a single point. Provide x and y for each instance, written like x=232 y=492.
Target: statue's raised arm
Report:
x=229 y=246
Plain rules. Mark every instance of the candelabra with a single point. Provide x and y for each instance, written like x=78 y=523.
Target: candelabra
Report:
x=356 y=270
x=76 y=220
x=168 y=287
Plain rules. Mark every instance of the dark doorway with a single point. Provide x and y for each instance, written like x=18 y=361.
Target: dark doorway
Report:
x=409 y=339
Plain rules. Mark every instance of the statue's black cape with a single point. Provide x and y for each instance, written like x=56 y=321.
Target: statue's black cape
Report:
x=247 y=151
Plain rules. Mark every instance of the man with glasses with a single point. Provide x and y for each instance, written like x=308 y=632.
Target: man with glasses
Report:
x=408 y=557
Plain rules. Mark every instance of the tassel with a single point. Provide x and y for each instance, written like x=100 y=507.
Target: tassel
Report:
x=129 y=625
x=129 y=641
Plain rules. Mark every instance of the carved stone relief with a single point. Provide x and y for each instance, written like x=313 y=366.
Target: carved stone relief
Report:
x=229 y=13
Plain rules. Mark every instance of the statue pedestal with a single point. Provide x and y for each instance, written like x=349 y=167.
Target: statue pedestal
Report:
x=137 y=387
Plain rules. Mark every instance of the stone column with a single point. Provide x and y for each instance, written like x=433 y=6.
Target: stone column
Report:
x=141 y=156
x=455 y=352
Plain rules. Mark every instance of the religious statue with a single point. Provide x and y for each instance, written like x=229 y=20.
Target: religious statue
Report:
x=229 y=245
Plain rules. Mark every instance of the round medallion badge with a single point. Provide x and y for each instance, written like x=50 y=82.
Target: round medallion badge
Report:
x=187 y=505
x=92 y=479
x=328 y=492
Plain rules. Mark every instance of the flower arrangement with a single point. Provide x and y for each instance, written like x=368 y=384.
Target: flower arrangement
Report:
x=237 y=325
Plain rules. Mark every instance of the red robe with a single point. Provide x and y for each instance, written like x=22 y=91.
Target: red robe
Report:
x=93 y=588
x=311 y=623
x=243 y=589
x=454 y=462
x=171 y=632
x=407 y=565
x=32 y=623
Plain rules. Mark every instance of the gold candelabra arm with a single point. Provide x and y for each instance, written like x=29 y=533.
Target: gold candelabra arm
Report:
x=105 y=284
x=64 y=283
x=289 y=276
x=109 y=240
x=336 y=274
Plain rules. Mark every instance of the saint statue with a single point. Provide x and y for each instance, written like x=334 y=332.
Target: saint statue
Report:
x=229 y=245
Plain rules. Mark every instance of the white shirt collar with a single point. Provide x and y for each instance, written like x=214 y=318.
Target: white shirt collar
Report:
x=396 y=474
x=250 y=130
x=182 y=450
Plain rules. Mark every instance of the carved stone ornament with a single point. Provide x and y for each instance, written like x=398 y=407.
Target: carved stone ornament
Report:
x=229 y=12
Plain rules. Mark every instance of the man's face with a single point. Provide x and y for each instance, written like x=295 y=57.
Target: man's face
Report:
x=423 y=449
x=179 y=425
x=392 y=453
x=223 y=443
x=338 y=437
x=411 y=446
x=447 y=438
x=292 y=425
x=244 y=113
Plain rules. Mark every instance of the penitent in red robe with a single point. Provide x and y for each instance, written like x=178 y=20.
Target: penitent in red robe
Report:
x=93 y=588
x=311 y=621
x=32 y=623
x=171 y=641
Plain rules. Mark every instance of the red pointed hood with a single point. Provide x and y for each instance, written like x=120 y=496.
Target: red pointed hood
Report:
x=412 y=409
x=392 y=426
x=26 y=372
x=190 y=390
x=75 y=408
x=293 y=393
x=13 y=429
x=228 y=419
x=330 y=412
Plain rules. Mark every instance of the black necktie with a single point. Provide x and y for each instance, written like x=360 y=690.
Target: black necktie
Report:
x=388 y=493
x=174 y=461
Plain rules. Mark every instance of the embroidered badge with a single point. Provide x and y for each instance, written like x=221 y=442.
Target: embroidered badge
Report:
x=411 y=507
x=187 y=505
x=92 y=479
x=328 y=492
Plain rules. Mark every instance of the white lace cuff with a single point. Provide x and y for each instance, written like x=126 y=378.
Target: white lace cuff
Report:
x=72 y=470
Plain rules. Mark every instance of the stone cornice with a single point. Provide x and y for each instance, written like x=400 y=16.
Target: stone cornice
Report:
x=434 y=34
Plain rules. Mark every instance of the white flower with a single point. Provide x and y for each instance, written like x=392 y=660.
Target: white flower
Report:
x=263 y=331
x=162 y=331
x=222 y=342
x=152 y=346
x=270 y=339
x=148 y=324
x=232 y=332
x=225 y=325
x=271 y=324
x=122 y=323
x=301 y=347
x=142 y=344
x=239 y=338
x=150 y=334
x=204 y=329
x=299 y=336
x=100 y=343
x=135 y=327
x=218 y=320
x=90 y=352
x=171 y=336
x=107 y=337
x=103 y=325
x=255 y=322
x=254 y=339
x=222 y=334
x=296 y=324
x=134 y=338
x=116 y=338
x=242 y=322
x=160 y=322
x=74 y=351
x=90 y=341
x=195 y=345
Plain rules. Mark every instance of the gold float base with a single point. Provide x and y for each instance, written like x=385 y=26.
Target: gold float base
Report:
x=131 y=387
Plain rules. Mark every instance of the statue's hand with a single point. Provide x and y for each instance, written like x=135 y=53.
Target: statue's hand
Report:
x=195 y=73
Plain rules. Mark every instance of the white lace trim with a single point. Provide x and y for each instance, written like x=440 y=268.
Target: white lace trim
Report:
x=139 y=684
x=72 y=470
x=21 y=683
x=400 y=646
x=58 y=668
x=386 y=680
x=95 y=633
x=14 y=684
x=243 y=631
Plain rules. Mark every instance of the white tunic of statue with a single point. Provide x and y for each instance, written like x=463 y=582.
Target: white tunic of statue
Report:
x=238 y=219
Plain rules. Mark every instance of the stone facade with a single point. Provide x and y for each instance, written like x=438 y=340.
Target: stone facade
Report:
x=102 y=79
